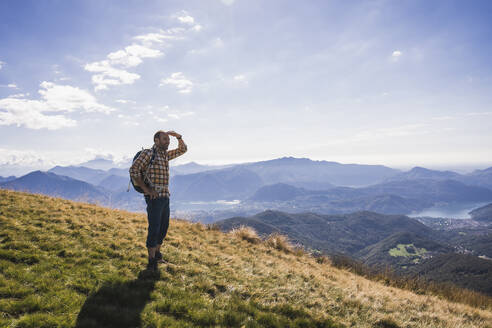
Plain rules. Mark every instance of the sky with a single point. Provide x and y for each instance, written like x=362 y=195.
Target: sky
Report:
x=396 y=83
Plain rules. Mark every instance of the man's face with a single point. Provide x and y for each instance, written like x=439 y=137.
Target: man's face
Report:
x=163 y=141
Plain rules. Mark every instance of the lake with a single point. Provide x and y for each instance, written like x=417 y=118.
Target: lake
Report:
x=449 y=210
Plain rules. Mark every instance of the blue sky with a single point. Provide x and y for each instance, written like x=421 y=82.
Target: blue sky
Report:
x=398 y=83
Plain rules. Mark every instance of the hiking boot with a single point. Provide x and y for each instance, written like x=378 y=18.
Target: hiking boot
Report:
x=158 y=257
x=152 y=265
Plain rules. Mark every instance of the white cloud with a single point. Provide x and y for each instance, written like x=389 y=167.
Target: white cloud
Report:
x=108 y=74
x=22 y=161
x=217 y=43
x=228 y=2
x=68 y=98
x=197 y=27
x=155 y=117
x=24 y=158
x=160 y=119
x=130 y=120
x=179 y=116
x=186 y=19
x=443 y=118
x=213 y=45
x=131 y=123
x=392 y=132
x=112 y=71
x=460 y=116
x=149 y=39
x=99 y=154
x=54 y=98
x=10 y=85
x=373 y=135
x=132 y=55
x=2 y=64
x=56 y=69
x=396 y=55
x=240 y=79
x=29 y=114
x=165 y=113
x=18 y=95
x=178 y=80
x=478 y=114
x=125 y=101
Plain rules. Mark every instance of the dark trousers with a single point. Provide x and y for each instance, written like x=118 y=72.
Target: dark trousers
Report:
x=158 y=218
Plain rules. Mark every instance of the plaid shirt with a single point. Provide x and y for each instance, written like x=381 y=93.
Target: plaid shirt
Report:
x=158 y=172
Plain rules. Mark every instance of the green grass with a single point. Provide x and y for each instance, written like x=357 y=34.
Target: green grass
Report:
x=68 y=264
x=407 y=250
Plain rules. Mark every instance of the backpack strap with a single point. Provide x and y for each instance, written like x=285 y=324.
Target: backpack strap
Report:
x=148 y=166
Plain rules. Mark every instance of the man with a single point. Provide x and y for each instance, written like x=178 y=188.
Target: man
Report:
x=154 y=180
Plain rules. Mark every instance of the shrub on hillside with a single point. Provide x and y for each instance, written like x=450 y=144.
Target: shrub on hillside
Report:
x=319 y=256
x=246 y=233
x=213 y=227
x=280 y=242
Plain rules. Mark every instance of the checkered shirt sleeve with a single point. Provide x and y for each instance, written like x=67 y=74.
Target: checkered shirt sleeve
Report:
x=172 y=154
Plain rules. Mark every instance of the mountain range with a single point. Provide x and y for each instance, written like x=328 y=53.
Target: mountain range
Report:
x=5 y=179
x=315 y=203
x=48 y=183
x=285 y=184
x=393 y=197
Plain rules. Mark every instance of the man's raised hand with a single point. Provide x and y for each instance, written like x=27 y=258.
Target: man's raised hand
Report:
x=174 y=134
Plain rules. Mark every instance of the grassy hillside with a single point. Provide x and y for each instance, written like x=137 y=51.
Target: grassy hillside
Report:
x=69 y=264
x=401 y=249
x=483 y=213
x=461 y=269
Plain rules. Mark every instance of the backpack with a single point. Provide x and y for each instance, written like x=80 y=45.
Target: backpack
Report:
x=136 y=187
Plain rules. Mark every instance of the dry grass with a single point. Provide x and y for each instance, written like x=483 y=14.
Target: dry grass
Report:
x=246 y=233
x=417 y=285
x=275 y=240
x=60 y=258
x=279 y=242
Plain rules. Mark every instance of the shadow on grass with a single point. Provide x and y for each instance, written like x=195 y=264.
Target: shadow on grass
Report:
x=118 y=304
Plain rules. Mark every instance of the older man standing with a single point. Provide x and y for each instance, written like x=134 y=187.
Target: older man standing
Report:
x=154 y=180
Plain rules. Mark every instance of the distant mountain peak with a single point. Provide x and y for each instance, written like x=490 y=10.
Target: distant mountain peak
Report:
x=300 y=159
x=37 y=173
x=99 y=163
x=487 y=170
x=191 y=164
x=420 y=169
